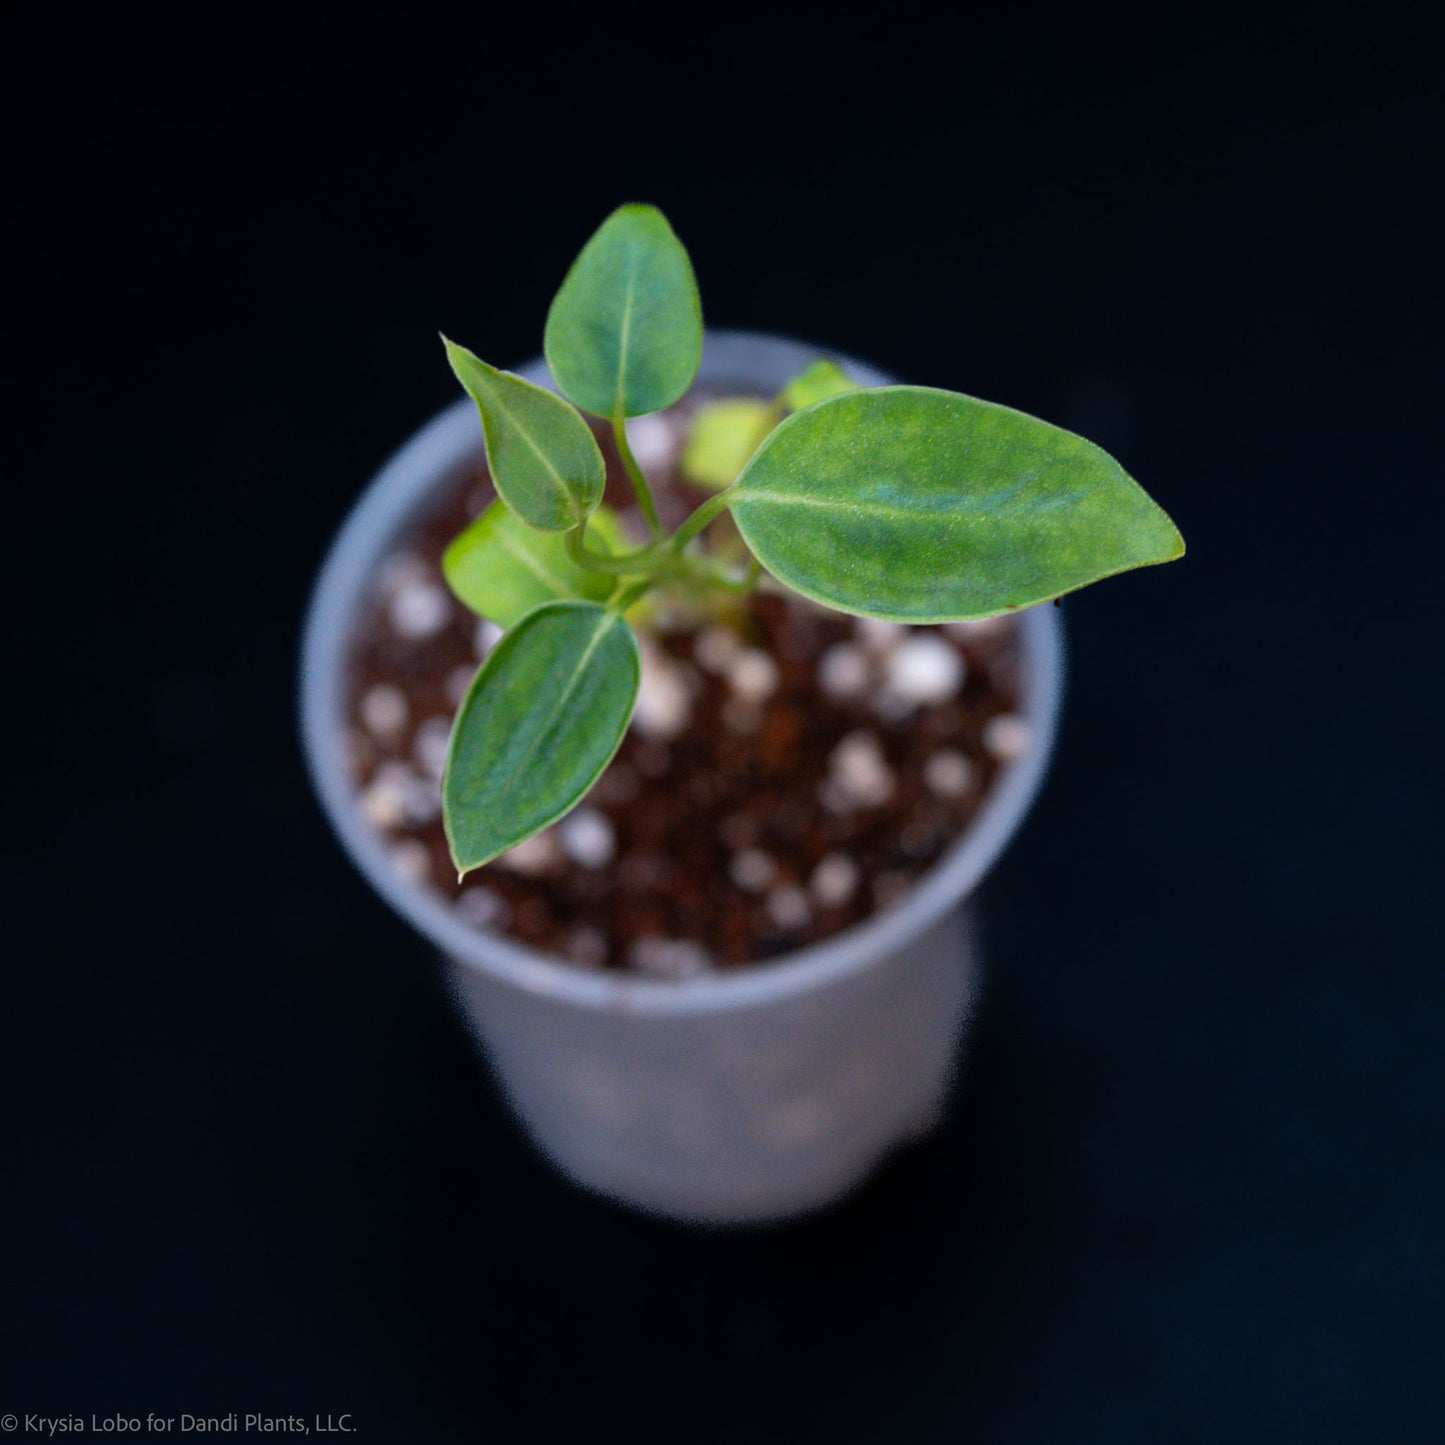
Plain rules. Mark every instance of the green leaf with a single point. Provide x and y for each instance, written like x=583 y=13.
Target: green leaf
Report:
x=543 y=717
x=919 y=505
x=542 y=455
x=820 y=381
x=624 y=335
x=723 y=435
x=502 y=568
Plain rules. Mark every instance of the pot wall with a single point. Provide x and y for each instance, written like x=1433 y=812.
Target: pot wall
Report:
x=735 y=1115
x=751 y=1095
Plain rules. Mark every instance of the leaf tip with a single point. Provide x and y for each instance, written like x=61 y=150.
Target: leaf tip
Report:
x=464 y=361
x=641 y=211
x=1171 y=539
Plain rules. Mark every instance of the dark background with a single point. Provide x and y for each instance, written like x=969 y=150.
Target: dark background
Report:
x=1192 y=1188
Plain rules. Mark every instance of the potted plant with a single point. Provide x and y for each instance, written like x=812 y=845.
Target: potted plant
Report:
x=815 y=515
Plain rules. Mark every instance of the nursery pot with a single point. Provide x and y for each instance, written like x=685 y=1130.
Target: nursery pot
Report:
x=750 y=1094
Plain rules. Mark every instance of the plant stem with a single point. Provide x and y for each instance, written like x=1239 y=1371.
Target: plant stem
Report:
x=634 y=472
x=720 y=577
x=620 y=604
x=644 y=559
x=713 y=507
x=666 y=558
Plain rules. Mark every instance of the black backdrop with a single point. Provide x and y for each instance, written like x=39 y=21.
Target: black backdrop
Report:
x=1191 y=1188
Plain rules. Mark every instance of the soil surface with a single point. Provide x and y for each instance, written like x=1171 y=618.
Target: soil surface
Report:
x=789 y=770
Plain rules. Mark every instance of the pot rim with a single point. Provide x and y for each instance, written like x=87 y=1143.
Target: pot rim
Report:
x=446 y=443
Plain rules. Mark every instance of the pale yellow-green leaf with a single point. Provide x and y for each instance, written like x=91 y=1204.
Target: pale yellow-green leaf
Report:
x=722 y=436
x=501 y=568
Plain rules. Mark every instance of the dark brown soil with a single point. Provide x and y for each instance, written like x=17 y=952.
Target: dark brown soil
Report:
x=751 y=808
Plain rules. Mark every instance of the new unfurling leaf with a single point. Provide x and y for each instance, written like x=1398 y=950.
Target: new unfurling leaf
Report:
x=502 y=569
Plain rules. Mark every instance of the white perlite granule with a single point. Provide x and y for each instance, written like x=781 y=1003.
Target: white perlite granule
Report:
x=587 y=838
x=384 y=710
x=716 y=647
x=834 y=880
x=381 y=805
x=403 y=570
x=421 y=799
x=878 y=635
x=420 y=609
x=536 y=855
x=1006 y=736
x=788 y=906
x=924 y=669
x=429 y=746
x=485 y=638
x=651 y=440
x=949 y=774
x=752 y=870
x=663 y=705
x=859 y=771
x=482 y=908
x=670 y=958
x=753 y=675
x=397 y=795
x=844 y=671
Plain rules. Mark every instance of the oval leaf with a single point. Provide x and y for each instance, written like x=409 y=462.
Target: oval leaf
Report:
x=502 y=568
x=542 y=455
x=543 y=717
x=624 y=335
x=918 y=505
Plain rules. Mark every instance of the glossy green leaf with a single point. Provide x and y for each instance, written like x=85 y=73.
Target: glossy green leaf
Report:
x=543 y=717
x=543 y=457
x=723 y=435
x=820 y=381
x=501 y=568
x=919 y=505
x=624 y=335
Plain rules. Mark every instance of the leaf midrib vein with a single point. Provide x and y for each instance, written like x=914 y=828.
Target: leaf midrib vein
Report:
x=539 y=454
x=535 y=566
x=601 y=628
x=828 y=504
x=624 y=333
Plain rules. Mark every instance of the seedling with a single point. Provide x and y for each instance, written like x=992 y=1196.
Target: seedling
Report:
x=899 y=502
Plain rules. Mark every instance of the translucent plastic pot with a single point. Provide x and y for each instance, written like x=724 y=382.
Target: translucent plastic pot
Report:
x=749 y=1095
